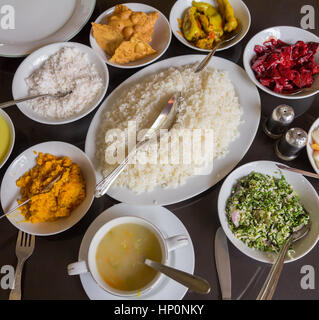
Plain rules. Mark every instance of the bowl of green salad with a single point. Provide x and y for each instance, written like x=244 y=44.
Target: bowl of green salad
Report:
x=259 y=206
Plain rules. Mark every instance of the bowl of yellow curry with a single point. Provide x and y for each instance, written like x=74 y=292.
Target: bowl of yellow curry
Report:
x=7 y=134
x=201 y=24
x=59 y=180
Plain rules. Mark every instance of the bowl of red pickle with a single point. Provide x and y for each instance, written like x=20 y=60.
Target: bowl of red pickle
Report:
x=283 y=60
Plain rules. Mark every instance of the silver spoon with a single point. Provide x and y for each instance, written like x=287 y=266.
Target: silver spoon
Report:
x=164 y=121
x=13 y=102
x=269 y=287
x=225 y=38
x=42 y=191
x=194 y=283
x=314 y=88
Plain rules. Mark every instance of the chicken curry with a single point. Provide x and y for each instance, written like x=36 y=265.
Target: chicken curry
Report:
x=203 y=24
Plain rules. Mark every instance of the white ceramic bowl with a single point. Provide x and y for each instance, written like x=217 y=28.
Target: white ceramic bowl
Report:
x=287 y=34
x=179 y=8
x=314 y=126
x=160 y=40
x=35 y=60
x=167 y=245
x=308 y=197
x=24 y=162
x=12 y=132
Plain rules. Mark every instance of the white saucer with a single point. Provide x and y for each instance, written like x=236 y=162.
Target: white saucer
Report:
x=169 y=224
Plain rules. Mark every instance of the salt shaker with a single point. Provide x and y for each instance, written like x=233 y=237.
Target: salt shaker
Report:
x=291 y=143
x=281 y=117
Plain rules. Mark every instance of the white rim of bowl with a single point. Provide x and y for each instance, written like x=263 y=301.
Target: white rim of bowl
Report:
x=12 y=142
x=29 y=58
x=254 y=79
x=107 y=12
x=188 y=44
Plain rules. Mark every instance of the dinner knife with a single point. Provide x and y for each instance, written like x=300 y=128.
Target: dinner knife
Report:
x=223 y=263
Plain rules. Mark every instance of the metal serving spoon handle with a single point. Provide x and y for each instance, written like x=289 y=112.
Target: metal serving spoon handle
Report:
x=229 y=37
x=303 y=172
x=205 y=61
x=194 y=283
x=269 y=287
x=13 y=102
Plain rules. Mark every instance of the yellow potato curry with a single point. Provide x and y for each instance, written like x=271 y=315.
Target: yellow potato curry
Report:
x=67 y=193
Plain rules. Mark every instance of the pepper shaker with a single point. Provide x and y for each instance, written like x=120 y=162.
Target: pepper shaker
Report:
x=291 y=143
x=281 y=117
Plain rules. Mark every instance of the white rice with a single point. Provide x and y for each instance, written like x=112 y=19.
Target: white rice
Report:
x=210 y=102
x=68 y=69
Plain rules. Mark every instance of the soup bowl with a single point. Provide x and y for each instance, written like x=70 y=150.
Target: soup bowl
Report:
x=166 y=244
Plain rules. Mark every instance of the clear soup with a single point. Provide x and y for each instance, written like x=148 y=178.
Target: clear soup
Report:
x=121 y=253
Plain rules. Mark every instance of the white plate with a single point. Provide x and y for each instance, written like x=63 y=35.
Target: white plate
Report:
x=41 y=22
x=169 y=224
x=308 y=197
x=178 y=10
x=287 y=34
x=160 y=40
x=12 y=131
x=314 y=126
x=250 y=102
x=27 y=160
x=35 y=60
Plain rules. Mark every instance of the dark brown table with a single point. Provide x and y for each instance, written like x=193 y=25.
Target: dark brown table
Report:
x=45 y=275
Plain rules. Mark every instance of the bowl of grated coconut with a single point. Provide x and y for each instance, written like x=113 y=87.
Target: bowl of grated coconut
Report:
x=61 y=67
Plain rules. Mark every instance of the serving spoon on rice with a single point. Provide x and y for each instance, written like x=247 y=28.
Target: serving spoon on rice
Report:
x=165 y=120
x=13 y=102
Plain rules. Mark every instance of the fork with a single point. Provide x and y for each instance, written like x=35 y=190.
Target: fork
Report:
x=24 y=249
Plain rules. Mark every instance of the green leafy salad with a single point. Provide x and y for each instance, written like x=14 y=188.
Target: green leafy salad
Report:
x=263 y=211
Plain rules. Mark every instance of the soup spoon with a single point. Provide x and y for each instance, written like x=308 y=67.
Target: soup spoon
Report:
x=194 y=283
x=226 y=38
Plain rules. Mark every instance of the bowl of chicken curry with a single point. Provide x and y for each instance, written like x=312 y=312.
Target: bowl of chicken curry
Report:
x=200 y=25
